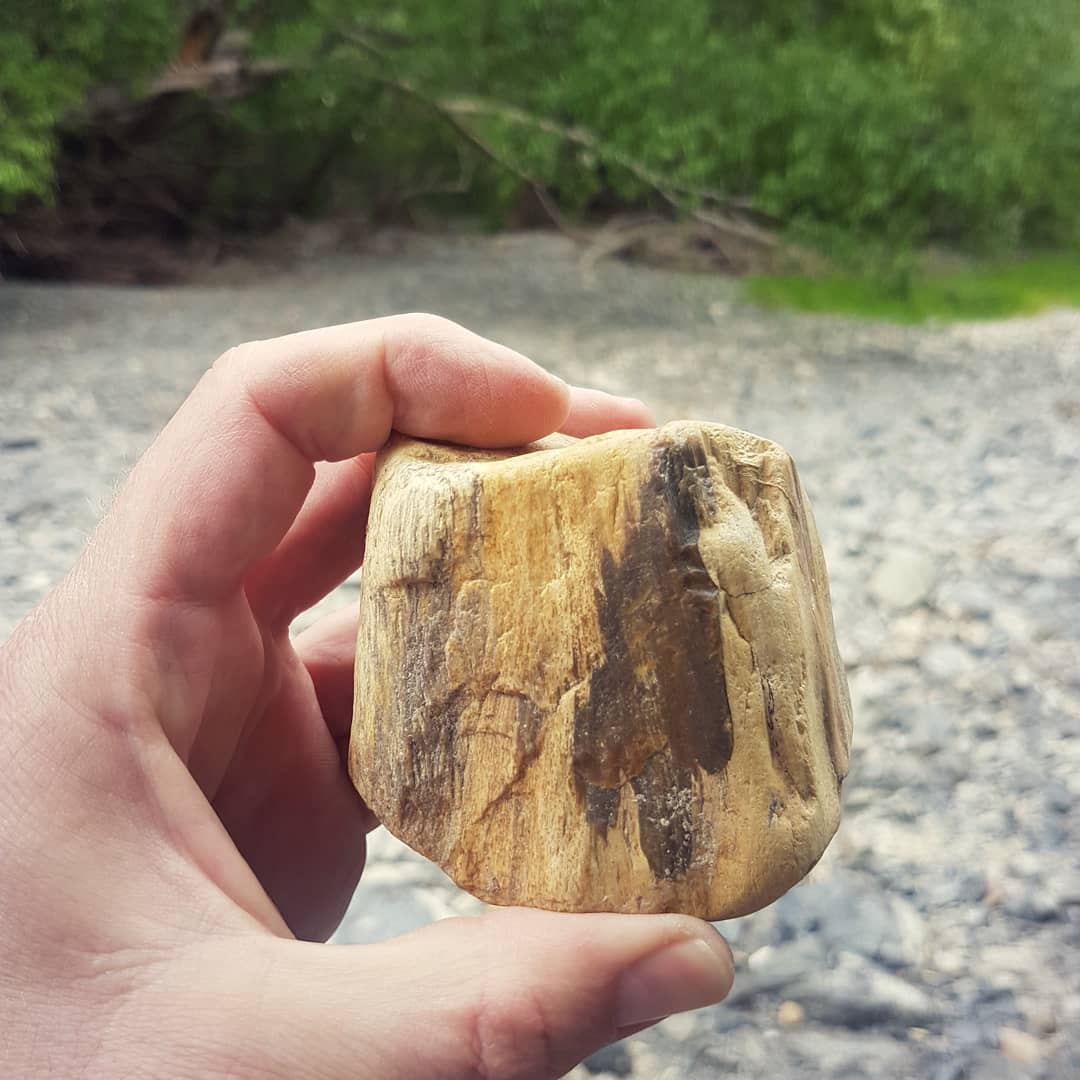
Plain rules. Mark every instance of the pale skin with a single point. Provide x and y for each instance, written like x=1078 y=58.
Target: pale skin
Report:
x=178 y=834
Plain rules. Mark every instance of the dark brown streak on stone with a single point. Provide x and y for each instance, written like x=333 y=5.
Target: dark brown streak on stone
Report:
x=770 y=717
x=429 y=758
x=601 y=807
x=428 y=711
x=665 y=815
x=681 y=719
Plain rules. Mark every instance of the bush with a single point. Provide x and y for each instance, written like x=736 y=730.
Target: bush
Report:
x=51 y=53
x=892 y=123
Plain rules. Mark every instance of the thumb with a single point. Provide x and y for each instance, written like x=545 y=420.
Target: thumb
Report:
x=511 y=995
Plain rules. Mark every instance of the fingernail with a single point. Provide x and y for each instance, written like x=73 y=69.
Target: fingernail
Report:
x=687 y=975
x=567 y=389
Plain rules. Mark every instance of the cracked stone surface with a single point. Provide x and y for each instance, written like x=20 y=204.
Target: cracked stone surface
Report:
x=955 y=868
x=601 y=675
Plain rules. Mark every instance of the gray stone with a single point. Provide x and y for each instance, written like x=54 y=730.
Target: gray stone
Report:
x=844 y=913
x=614 y=1060
x=777 y=965
x=946 y=660
x=967 y=1033
x=946 y=1067
x=958 y=599
x=709 y=1062
x=1031 y=560
x=930 y=730
x=1063 y=885
x=772 y=967
x=904 y=578
x=935 y=501
x=18 y=442
x=1064 y=1058
x=684 y=1026
x=1059 y=798
x=846 y=1055
x=1033 y=904
x=856 y=994
x=987 y=1065
x=956 y=885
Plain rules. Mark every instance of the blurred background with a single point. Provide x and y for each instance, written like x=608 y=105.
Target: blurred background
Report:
x=827 y=139
x=850 y=227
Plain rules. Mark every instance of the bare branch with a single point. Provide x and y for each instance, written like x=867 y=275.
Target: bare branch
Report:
x=724 y=215
x=447 y=114
x=229 y=77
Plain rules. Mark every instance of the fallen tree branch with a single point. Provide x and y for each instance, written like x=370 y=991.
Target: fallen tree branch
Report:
x=447 y=114
x=723 y=214
x=727 y=217
x=459 y=185
x=225 y=78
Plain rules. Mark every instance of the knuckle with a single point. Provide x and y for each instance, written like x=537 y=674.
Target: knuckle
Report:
x=237 y=356
x=426 y=323
x=239 y=371
x=424 y=341
x=510 y=1037
x=231 y=372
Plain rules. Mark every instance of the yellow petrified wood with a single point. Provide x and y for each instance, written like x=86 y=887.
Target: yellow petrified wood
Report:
x=601 y=675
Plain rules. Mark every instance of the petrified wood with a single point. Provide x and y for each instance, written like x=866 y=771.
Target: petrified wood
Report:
x=601 y=675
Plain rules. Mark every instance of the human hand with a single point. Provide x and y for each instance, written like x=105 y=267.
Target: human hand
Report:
x=176 y=824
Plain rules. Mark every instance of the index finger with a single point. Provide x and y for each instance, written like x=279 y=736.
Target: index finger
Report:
x=224 y=480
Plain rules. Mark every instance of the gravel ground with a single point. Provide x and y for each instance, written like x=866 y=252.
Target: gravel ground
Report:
x=940 y=936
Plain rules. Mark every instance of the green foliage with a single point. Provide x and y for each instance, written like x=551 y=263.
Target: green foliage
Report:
x=888 y=123
x=985 y=291
x=51 y=52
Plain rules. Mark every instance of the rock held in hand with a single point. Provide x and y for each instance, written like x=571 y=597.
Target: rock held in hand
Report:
x=601 y=674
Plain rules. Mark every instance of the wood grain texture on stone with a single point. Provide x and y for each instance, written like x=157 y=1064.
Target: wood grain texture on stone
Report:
x=601 y=674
